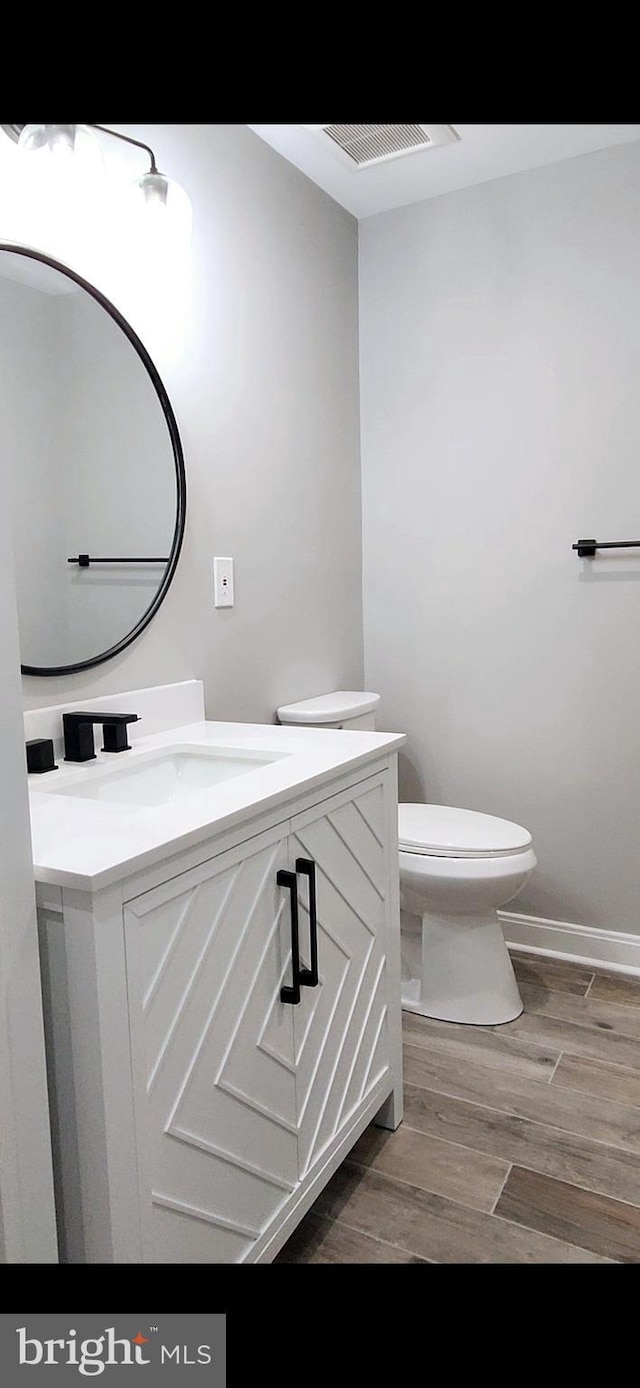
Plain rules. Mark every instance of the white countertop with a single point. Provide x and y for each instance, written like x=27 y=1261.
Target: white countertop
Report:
x=89 y=843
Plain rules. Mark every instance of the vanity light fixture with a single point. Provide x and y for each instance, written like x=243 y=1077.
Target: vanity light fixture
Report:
x=157 y=196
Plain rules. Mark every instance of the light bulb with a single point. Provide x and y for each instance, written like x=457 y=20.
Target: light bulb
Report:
x=162 y=208
x=57 y=140
x=63 y=147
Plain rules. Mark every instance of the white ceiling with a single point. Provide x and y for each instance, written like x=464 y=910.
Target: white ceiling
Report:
x=482 y=153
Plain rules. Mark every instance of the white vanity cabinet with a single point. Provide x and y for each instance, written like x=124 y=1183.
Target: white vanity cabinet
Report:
x=198 y=1107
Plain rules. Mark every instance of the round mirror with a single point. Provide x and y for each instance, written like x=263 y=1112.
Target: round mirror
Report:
x=94 y=464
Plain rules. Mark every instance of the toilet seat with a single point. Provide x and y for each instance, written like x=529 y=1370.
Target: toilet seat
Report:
x=443 y=831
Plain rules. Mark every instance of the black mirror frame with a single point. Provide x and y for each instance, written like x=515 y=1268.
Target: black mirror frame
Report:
x=181 y=481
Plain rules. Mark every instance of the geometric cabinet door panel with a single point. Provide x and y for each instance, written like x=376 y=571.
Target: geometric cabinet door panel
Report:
x=213 y=1056
x=340 y=1027
x=237 y=1092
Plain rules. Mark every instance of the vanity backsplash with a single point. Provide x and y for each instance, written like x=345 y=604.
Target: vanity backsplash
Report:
x=159 y=708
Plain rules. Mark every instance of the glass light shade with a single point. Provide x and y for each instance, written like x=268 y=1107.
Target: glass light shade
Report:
x=63 y=146
x=162 y=208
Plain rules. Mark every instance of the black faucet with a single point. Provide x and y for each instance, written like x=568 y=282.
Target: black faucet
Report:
x=78 y=733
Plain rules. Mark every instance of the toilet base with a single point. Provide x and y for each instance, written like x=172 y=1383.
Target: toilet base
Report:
x=461 y=971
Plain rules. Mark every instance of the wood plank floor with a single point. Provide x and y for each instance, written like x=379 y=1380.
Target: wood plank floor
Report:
x=519 y=1144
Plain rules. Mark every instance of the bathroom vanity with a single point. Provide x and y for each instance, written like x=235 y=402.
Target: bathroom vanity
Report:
x=218 y=917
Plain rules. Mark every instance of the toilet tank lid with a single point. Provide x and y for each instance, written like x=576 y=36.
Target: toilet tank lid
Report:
x=448 y=832
x=329 y=708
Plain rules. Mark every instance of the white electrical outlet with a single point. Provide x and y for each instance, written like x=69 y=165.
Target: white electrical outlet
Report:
x=223 y=582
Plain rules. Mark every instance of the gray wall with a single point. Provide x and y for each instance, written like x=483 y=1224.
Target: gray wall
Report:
x=260 y=362
x=500 y=364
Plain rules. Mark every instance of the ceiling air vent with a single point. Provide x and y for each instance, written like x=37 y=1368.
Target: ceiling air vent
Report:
x=359 y=146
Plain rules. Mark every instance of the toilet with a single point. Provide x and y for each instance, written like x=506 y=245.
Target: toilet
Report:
x=457 y=869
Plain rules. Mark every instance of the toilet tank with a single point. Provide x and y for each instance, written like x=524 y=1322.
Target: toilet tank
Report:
x=344 y=708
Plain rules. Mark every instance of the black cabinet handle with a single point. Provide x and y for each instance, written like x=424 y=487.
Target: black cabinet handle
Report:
x=309 y=977
x=289 y=880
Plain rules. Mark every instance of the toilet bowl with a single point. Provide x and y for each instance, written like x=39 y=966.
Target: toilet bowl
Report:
x=457 y=868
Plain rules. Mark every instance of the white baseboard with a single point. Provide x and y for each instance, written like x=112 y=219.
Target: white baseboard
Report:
x=606 y=949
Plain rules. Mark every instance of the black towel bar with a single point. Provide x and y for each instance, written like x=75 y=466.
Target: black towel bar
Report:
x=587 y=548
x=84 y=560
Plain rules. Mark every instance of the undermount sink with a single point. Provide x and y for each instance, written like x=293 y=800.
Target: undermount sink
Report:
x=157 y=778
